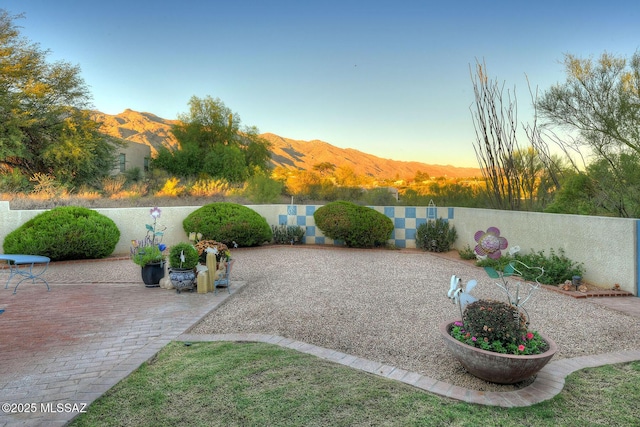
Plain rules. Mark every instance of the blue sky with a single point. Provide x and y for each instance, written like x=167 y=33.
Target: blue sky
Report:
x=390 y=78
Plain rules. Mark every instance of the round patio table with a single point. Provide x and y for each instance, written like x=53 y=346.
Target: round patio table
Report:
x=23 y=265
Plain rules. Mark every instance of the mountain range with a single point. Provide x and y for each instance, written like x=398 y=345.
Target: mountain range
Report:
x=154 y=131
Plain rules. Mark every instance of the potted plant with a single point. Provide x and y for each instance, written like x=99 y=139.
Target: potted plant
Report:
x=492 y=340
x=148 y=253
x=183 y=259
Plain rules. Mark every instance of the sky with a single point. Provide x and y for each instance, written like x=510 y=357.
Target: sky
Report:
x=389 y=78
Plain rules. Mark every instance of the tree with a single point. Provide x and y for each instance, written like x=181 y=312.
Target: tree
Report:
x=600 y=102
x=211 y=141
x=44 y=125
x=600 y=99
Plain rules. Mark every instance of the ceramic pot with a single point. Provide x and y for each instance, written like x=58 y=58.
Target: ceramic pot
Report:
x=152 y=273
x=496 y=367
x=182 y=278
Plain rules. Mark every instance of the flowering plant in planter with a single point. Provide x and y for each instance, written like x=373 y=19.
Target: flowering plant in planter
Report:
x=149 y=250
x=492 y=342
x=498 y=326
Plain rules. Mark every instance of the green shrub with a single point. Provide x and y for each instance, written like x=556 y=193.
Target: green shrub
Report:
x=357 y=226
x=287 y=234
x=557 y=267
x=228 y=223
x=435 y=236
x=148 y=255
x=467 y=253
x=490 y=321
x=261 y=188
x=66 y=232
x=191 y=257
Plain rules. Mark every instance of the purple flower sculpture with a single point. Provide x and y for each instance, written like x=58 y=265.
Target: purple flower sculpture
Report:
x=490 y=243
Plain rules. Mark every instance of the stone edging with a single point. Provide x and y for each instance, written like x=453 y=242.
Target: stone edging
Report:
x=548 y=383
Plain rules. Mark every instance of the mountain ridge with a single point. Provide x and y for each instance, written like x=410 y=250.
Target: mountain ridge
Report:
x=154 y=131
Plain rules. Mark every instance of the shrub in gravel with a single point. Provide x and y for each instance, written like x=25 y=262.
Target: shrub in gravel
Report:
x=358 y=226
x=229 y=223
x=64 y=233
x=435 y=236
x=288 y=234
x=557 y=266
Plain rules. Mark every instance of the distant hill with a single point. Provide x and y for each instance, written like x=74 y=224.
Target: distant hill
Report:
x=154 y=131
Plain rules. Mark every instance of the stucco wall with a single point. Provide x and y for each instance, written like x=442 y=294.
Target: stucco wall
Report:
x=608 y=247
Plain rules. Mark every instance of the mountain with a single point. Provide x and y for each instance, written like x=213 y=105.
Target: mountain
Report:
x=154 y=131
x=143 y=128
x=293 y=154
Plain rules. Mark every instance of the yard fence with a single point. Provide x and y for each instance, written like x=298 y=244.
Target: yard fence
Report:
x=608 y=247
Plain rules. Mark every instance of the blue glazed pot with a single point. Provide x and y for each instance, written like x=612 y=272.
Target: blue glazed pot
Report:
x=152 y=274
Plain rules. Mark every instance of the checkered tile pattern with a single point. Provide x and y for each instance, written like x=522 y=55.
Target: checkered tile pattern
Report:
x=406 y=220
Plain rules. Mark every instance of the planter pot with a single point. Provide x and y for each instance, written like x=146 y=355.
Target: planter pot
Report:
x=496 y=367
x=152 y=273
x=182 y=278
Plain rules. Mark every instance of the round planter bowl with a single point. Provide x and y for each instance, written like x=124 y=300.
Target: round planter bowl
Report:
x=496 y=367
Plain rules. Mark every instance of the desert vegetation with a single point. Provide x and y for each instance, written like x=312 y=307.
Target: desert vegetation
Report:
x=581 y=153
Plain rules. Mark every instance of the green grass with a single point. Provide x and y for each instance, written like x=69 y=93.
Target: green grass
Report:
x=256 y=384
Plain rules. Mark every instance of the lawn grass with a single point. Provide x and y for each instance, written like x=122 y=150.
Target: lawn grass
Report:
x=257 y=384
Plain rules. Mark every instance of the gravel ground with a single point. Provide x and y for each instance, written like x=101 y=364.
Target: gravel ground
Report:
x=386 y=306
x=381 y=305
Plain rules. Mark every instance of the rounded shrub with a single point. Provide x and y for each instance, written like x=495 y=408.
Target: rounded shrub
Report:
x=228 y=223
x=63 y=233
x=191 y=256
x=358 y=226
x=491 y=320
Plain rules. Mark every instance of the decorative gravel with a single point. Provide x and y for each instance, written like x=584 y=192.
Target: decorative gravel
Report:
x=386 y=305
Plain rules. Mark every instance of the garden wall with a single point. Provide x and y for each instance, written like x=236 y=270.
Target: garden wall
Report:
x=608 y=247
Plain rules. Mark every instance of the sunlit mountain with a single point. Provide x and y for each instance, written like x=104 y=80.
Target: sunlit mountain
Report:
x=154 y=131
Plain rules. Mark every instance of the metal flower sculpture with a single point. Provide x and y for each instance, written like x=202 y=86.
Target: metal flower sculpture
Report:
x=490 y=243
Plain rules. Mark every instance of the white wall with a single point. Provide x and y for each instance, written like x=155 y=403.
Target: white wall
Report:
x=607 y=247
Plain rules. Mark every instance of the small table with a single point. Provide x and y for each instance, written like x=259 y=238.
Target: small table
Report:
x=15 y=261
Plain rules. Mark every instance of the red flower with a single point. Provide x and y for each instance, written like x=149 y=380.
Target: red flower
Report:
x=529 y=336
x=520 y=347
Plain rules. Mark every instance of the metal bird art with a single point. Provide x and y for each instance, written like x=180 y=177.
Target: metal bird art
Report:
x=459 y=295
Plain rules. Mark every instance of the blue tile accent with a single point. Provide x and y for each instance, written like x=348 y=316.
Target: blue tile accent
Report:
x=410 y=234
x=389 y=211
x=401 y=243
x=310 y=210
x=410 y=213
x=282 y=219
x=399 y=222
x=301 y=220
x=292 y=210
x=420 y=221
x=432 y=212
x=450 y=213
x=310 y=231
x=319 y=240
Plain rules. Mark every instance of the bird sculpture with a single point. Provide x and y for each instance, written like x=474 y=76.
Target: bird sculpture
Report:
x=459 y=295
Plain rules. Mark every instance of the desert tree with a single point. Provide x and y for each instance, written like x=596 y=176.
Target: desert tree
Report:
x=45 y=127
x=212 y=141
x=495 y=119
x=599 y=107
